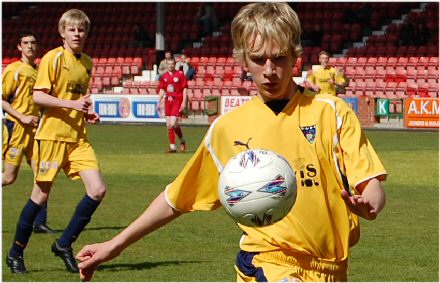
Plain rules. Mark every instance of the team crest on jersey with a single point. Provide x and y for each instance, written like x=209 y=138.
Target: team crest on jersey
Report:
x=309 y=133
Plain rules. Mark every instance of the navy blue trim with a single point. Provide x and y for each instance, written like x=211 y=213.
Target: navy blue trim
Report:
x=346 y=185
x=9 y=127
x=245 y=265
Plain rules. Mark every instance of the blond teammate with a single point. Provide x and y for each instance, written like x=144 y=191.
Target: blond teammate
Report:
x=338 y=173
x=61 y=141
x=326 y=79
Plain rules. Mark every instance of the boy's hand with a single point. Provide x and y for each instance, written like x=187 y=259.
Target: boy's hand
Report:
x=92 y=118
x=83 y=103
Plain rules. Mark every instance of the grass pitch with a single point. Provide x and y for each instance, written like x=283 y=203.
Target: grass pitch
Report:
x=401 y=245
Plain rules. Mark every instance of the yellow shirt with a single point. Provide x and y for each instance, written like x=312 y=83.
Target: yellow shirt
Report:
x=17 y=85
x=66 y=77
x=321 y=76
x=322 y=139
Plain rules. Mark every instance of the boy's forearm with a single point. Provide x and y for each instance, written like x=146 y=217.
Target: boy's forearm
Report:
x=44 y=99
x=375 y=193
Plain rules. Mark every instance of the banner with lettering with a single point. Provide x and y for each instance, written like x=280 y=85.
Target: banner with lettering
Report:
x=228 y=103
x=422 y=112
x=127 y=108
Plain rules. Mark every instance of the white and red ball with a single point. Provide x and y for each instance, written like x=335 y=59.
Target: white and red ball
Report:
x=257 y=187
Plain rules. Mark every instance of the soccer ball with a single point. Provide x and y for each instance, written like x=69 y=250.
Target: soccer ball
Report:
x=257 y=187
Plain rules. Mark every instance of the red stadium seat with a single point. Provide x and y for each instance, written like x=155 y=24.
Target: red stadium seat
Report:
x=351 y=61
x=433 y=61
x=402 y=61
x=392 y=61
x=114 y=81
x=411 y=89
x=423 y=61
x=413 y=61
x=400 y=76
x=423 y=89
x=371 y=61
x=106 y=81
x=390 y=94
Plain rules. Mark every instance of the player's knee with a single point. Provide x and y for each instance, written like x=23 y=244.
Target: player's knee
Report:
x=98 y=192
x=8 y=179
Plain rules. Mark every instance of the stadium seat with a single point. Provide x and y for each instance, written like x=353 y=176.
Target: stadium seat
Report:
x=351 y=61
x=379 y=93
x=413 y=61
x=382 y=61
x=370 y=86
x=390 y=75
x=392 y=61
x=225 y=92
x=143 y=90
x=423 y=61
x=411 y=89
x=114 y=81
x=215 y=92
x=359 y=72
x=402 y=61
x=433 y=61
x=411 y=72
x=371 y=61
x=423 y=89
x=370 y=72
x=400 y=75
x=390 y=94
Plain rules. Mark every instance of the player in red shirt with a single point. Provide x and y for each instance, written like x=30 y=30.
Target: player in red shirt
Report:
x=173 y=86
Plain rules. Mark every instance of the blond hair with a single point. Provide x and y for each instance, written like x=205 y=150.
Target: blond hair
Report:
x=276 y=23
x=75 y=17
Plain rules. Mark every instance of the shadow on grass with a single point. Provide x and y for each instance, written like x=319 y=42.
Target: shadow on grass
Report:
x=105 y=228
x=142 y=265
x=59 y=231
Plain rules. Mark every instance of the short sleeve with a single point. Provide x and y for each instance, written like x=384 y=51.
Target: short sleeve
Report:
x=361 y=161
x=9 y=84
x=46 y=73
x=195 y=188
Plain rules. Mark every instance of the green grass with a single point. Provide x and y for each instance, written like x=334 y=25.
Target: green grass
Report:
x=401 y=245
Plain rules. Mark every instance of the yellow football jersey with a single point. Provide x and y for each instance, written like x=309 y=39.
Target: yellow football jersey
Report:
x=65 y=76
x=322 y=139
x=321 y=76
x=17 y=84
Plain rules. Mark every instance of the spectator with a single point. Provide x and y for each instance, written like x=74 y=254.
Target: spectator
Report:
x=185 y=66
x=141 y=37
x=207 y=18
x=163 y=66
